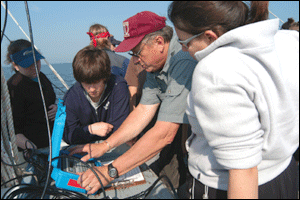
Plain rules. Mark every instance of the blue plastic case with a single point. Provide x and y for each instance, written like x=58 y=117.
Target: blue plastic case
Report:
x=64 y=180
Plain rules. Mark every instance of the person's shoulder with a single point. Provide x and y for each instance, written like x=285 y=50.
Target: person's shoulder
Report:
x=182 y=57
x=114 y=54
x=116 y=79
x=43 y=76
x=15 y=80
x=73 y=91
x=289 y=37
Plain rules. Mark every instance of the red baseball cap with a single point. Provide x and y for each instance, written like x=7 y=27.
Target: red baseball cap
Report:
x=136 y=27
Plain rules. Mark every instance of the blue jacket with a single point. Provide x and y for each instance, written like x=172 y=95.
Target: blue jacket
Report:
x=114 y=109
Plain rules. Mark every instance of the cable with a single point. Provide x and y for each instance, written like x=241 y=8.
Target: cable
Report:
x=27 y=191
x=44 y=104
x=39 y=161
x=5 y=20
x=19 y=178
x=91 y=168
x=6 y=36
x=58 y=88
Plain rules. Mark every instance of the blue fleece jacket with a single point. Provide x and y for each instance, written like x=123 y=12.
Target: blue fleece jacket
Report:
x=113 y=109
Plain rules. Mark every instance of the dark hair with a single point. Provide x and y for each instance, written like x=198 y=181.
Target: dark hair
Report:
x=290 y=25
x=14 y=47
x=219 y=16
x=91 y=65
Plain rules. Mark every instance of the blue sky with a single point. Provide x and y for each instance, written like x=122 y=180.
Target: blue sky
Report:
x=59 y=27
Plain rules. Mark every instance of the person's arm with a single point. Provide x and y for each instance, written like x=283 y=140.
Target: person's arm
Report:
x=243 y=184
x=143 y=150
x=119 y=105
x=23 y=142
x=52 y=112
x=147 y=147
x=130 y=128
x=75 y=132
x=133 y=92
x=133 y=83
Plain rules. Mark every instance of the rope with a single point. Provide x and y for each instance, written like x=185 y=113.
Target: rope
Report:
x=275 y=16
x=9 y=150
x=50 y=66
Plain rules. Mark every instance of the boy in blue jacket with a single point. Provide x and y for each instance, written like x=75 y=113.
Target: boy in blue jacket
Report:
x=98 y=103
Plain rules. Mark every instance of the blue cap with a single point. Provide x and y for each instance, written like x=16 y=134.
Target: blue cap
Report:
x=24 y=58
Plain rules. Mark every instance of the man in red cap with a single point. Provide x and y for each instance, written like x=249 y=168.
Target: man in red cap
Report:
x=155 y=48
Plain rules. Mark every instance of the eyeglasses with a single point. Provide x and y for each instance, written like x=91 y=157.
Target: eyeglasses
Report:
x=186 y=42
x=137 y=55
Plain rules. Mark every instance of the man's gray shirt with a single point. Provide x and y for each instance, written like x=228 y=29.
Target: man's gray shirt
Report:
x=171 y=85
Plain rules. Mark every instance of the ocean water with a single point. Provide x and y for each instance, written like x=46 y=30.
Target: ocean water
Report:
x=64 y=70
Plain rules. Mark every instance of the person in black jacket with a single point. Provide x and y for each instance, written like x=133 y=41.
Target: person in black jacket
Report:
x=98 y=103
x=27 y=107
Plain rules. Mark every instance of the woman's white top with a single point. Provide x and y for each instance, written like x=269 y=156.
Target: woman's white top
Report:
x=244 y=104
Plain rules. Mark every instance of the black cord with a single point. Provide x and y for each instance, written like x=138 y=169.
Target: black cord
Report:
x=91 y=168
x=20 y=178
x=27 y=191
x=45 y=109
x=31 y=156
x=5 y=20
x=58 y=88
x=6 y=36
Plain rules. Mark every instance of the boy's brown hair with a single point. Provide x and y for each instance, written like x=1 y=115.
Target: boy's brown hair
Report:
x=91 y=65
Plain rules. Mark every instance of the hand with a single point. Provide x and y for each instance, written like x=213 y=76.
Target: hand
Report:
x=24 y=143
x=52 y=112
x=92 y=150
x=89 y=181
x=100 y=128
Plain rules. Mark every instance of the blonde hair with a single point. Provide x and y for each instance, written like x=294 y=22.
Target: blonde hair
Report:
x=102 y=43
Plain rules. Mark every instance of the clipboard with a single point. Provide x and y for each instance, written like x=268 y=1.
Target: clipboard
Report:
x=131 y=178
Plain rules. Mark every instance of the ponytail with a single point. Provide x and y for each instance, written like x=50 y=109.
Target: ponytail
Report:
x=259 y=11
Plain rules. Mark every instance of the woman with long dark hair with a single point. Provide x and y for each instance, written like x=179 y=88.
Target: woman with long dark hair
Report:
x=244 y=102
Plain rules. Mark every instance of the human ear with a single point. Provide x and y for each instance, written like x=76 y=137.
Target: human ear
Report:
x=15 y=66
x=160 y=42
x=211 y=36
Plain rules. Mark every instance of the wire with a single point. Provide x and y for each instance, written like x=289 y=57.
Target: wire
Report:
x=45 y=109
x=91 y=168
x=34 y=156
x=58 y=88
x=19 y=178
x=6 y=36
x=5 y=20
x=27 y=191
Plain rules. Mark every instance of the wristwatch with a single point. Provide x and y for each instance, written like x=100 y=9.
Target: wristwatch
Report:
x=112 y=171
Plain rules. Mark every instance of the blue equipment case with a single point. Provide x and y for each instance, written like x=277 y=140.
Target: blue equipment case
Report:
x=63 y=179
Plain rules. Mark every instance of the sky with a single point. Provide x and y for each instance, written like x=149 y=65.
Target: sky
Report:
x=59 y=27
